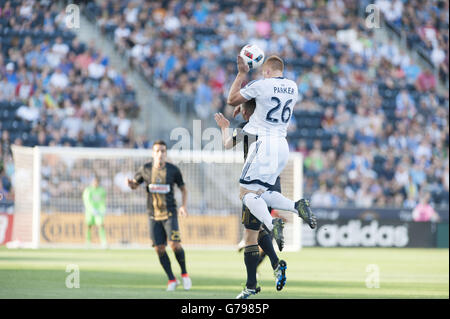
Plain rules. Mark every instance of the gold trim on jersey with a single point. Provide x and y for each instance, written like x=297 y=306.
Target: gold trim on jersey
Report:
x=159 y=199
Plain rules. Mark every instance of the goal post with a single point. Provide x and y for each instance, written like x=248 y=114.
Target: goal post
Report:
x=49 y=210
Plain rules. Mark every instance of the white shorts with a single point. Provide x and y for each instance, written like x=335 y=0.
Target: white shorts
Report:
x=266 y=159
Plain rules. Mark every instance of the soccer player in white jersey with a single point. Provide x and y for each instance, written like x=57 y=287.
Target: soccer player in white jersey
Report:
x=275 y=98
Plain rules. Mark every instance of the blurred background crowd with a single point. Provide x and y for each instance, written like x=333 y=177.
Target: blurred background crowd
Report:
x=371 y=123
x=54 y=89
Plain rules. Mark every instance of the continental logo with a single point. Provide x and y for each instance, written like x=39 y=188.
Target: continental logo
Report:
x=57 y=228
x=210 y=230
x=70 y=228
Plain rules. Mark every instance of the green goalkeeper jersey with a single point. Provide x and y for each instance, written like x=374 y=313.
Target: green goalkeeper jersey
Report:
x=94 y=199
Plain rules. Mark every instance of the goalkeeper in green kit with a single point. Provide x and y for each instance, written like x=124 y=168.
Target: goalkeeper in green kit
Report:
x=94 y=198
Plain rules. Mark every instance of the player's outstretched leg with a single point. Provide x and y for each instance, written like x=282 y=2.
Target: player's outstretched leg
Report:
x=301 y=207
x=304 y=211
x=259 y=209
x=280 y=274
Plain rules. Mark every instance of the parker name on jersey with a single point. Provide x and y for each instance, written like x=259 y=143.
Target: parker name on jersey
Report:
x=275 y=101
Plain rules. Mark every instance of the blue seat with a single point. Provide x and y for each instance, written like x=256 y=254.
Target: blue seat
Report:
x=318 y=133
x=25 y=136
x=15 y=125
x=389 y=104
x=4 y=104
x=307 y=133
x=4 y=114
x=326 y=145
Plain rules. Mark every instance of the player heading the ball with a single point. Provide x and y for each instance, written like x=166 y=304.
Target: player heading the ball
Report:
x=275 y=98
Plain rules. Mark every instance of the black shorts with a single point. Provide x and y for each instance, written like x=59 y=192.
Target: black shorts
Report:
x=164 y=230
x=250 y=221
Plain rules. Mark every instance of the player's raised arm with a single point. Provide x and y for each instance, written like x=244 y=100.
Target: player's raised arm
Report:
x=234 y=96
x=224 y=125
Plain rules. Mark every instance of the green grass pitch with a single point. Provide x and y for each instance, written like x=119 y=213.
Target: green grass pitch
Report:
x=312 y=273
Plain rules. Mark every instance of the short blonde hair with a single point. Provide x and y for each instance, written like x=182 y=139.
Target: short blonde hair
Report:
x=275 y=63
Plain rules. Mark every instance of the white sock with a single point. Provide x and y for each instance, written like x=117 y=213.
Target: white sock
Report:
x=259 y=209
x=278 y=201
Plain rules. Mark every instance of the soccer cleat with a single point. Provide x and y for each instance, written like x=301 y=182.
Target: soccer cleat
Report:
x=304 y=211
x=277 y=232
x=248 y=292
x=172 y=284
x=280 y=274
x=187 y=282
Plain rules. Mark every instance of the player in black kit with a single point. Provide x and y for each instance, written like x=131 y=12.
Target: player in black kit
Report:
x=160 y=177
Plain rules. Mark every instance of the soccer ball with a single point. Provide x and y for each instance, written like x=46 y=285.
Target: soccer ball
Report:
x=252 y=55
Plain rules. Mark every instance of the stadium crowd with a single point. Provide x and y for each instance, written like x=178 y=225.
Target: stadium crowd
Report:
x=371 y=124
x=54 y=89
x=425 y=26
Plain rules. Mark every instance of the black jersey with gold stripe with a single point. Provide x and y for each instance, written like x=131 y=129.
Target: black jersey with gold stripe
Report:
x=159 y=183
x=239 y=135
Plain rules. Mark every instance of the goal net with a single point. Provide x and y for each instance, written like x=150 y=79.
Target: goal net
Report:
x=49 y=210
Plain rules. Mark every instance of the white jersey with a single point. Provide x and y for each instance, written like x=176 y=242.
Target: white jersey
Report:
x=275 y=101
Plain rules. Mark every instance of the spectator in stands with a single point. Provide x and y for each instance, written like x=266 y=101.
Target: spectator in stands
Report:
x=5 y=143
x=7 y=89
x=426 y=81
x=302 y=148
x=123 y=126
x=321 y=197
x=363 y=197
x=342 y=118
x=315 y=159
x=120 y=34
x=28 y=113
x=24 y=89
x=59 y=79
x=141 y=142
x=203 y=98
x=11 y=74
x=6 y=12
x=5 y=194
x=60 y=48
x=424 y=212
x=405 y=106
x=96 y=69
x=328 y=120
